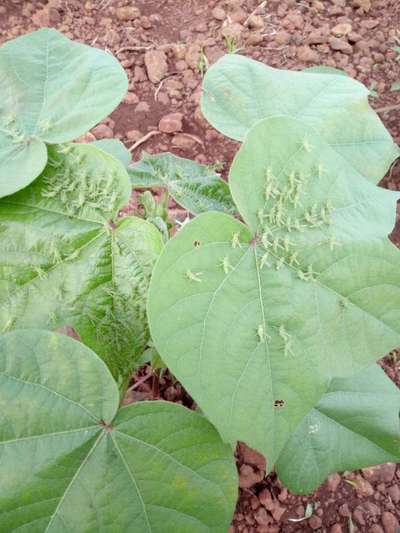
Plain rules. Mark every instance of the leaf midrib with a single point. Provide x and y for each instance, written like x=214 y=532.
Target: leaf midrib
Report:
x=74 y=477
x=165 y=454
x=132 y=477
x=36 y=207
x=48 y=435
x=267 y=353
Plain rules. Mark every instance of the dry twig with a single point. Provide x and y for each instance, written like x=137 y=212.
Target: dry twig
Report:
x=261 y=6
x=387 y=108
x=144 y=139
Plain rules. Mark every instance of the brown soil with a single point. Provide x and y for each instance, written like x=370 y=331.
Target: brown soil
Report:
x=285 y=34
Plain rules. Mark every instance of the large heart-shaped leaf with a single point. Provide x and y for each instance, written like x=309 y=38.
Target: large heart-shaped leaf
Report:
x=65 y=260
x=354 y=425
x=238 y=92
x=256 y=319
x=72 y=461
x=195 y=187
x=51 y=91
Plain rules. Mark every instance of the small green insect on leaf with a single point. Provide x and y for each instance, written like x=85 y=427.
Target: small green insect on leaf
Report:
x=264 y=261
x=262 y=334
x=236 y=240
x=226 y=265
x=193 y=276
x=287 y=340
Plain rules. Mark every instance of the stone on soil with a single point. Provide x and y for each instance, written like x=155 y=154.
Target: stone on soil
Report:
x=341 y=29
x=248 y=477
x=103 y=132
x=336 y=528
x=340 y=45
x=333 y=482
x=307 y=54
x=171 y=123
x=127 y=13
x=381 y=473
x=131 y=98
x=315 y=522
x=156 y=65
x=390 y=522
x=394 y=493
x=218 y=13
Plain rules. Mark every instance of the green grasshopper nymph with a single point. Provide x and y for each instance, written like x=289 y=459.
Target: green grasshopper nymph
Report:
x=262 y=335
x=226 y=265
x=193 y=276
x=236 y=241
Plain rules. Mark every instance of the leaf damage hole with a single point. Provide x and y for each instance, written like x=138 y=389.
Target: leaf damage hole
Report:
x=279 y=403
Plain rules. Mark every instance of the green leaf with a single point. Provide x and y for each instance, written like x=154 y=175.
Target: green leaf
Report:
x=73 y=461
x=238 y=92
x=52 y=90
x=67 y=260
x=354 y=425
x=195 y=187
x=115 y=148
x=256 y=319
x=156 y=362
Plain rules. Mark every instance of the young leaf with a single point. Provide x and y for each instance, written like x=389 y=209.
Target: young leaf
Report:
x=115 y=148
x=64 y=261
x=52 y=90
x=73 y=461
x=256 y=319
x=195 y=187
x=238 y=92
x=354 y=425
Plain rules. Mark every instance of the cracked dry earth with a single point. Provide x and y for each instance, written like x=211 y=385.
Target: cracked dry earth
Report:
x=165 y=46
